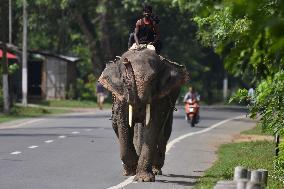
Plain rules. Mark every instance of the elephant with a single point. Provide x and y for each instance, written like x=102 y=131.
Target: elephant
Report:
x=145 y=87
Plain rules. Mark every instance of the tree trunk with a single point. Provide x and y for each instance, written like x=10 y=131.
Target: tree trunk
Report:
x=6 y=97
x=98 y=65
x=104 y=27
x=94 y=42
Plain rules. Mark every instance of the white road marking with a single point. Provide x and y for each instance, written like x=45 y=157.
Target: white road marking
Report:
x=16 y=153
x=32 y=147
x=171 y=144
x=123 y=184
x=62 y=136
x=88 y=129
x=75 y=132
x=48 y=141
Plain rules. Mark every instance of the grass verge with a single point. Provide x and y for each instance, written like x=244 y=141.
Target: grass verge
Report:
x=256 y=131
x=72 y=104
x=253 y=155
x=18 y=112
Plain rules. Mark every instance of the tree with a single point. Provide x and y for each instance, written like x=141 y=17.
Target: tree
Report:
x=249 y=36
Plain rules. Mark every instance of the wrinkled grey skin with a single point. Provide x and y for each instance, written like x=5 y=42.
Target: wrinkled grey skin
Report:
x=137 y=79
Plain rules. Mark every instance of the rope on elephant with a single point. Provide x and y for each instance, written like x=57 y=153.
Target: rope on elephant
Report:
x=117 y=58
x=171 y=62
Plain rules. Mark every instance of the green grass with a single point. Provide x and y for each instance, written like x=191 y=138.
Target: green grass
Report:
x=72 y=104
x=18 y=112
x=255 y=131
x=253 y=155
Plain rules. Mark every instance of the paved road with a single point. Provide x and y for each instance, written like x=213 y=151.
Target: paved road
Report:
x=82 y=152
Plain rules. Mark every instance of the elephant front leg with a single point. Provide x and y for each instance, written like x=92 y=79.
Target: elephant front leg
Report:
x=125 y=133
x=127 y=152
x=144 y=171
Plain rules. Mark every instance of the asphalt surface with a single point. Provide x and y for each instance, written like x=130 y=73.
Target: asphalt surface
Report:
x=80 y=151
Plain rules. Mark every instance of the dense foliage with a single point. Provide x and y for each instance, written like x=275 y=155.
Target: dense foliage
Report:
x=248 y=35
x=97 y=31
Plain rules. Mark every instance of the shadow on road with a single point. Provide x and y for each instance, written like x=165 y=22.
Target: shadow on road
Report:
x=183 y=181
x=181 y=176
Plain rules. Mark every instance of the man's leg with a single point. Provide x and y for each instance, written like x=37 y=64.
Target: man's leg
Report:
x=131 y=40
x=99 y=101
x=158 y=47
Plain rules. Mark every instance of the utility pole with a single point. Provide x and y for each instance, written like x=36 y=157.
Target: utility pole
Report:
x=24 y=61
x=10 y=21
x=4 y=36
x=6 y=97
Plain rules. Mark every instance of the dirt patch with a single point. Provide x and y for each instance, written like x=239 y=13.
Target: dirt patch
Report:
x=249 y=138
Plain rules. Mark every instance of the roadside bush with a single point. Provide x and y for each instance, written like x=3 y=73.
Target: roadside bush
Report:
x=269 y=106
x=86 y=90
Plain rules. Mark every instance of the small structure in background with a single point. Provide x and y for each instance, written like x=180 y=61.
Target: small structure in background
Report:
x=9 y=55
x=50 y=76
x=251 y=95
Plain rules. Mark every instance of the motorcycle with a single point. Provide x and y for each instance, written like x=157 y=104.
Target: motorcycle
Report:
x=192 y=111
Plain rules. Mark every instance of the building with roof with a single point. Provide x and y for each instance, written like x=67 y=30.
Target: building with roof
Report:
x=50 y=76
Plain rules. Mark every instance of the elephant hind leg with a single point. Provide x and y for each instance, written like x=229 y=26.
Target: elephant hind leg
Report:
x=157 y=170
x=159 y=158
x=129 y=170
x=144 y=177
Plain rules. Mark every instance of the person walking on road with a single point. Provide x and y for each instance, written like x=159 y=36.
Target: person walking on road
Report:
x=100 y=95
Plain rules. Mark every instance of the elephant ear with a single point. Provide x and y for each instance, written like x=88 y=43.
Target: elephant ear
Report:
x=112 y=79
x=171 y=76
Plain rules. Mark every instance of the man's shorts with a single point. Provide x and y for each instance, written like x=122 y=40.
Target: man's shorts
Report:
x=100 y=97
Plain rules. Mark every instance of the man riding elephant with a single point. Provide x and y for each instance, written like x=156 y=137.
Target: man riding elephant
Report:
x=146 y=30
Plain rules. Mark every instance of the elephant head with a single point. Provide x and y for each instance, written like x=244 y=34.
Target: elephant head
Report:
x=140 y=77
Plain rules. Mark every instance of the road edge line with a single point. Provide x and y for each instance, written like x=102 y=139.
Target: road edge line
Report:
x=176 y=140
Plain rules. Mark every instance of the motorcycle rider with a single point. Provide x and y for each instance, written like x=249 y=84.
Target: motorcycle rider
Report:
x=192 y=94
x=146 y=30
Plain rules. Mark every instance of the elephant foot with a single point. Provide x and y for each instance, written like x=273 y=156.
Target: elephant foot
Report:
x=157 y=171
x=144 y=177
x=129 y=170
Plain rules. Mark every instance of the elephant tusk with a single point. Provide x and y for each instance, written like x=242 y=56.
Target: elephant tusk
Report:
x=130 y=113
x=148 y=113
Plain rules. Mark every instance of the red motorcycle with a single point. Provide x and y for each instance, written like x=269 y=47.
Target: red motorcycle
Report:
x=192 y=111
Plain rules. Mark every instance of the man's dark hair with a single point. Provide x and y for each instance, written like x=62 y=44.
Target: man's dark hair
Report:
x=147 y=8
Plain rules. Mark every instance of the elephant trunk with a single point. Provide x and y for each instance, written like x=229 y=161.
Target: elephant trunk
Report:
x=138 y=113
x=130 y=83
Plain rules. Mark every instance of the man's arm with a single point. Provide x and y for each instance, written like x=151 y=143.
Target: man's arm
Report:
x=136 y=32
x=185 y=97
x=157 y=32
